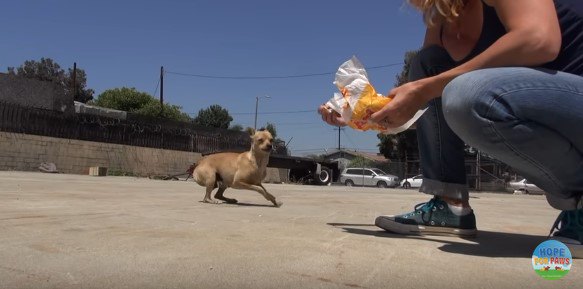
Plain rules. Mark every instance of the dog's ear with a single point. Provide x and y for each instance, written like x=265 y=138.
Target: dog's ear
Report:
x=250 y=131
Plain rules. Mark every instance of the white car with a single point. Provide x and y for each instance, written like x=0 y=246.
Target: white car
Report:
x=414 y=182
x=525 y=187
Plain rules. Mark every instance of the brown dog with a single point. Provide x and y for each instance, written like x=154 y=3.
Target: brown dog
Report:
x=236 y=170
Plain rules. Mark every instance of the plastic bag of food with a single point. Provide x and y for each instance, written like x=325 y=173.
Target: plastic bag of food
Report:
x=358 y=99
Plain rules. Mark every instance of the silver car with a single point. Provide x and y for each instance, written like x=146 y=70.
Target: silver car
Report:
x=368 y=177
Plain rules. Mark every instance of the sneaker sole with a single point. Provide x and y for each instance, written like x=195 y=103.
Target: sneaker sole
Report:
x=576 y=249
x=403 y=229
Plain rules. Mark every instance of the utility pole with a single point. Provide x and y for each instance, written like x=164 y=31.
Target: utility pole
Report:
x=406 y=165
x=339 y=138
x=161 y=90
x=339 y=130
x=340 y=153
x=478 y=172
x=256 y=107
x=74 y=80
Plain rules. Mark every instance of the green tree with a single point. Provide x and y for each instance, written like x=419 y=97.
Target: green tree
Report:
x=403 y=77
x=81 y=93
x=396 y=147
x=124 y=98
x=360 y=162
x=213 y=116
x=132 y=100
x=236 y=127
x=271 y=128
x=170 y=111
x=48 y=70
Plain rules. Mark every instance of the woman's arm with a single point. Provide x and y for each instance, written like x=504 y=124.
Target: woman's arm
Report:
x=533 y=38
x=432 y=37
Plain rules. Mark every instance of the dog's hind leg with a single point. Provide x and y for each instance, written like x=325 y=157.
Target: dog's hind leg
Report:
x=219 y=195
x=208 y=180
x=222 y=187
x=207 y=196
x=258 y=188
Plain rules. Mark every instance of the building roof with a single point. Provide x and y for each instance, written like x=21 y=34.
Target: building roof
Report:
x=367 y=155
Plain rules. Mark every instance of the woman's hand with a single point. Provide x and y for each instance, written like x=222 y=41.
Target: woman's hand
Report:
x=330 y=116
x=407 y=100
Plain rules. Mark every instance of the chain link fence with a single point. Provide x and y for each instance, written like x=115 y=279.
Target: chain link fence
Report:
x=135 y=130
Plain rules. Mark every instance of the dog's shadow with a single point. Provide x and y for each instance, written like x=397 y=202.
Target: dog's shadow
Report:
x=241 y=204
x=485 y=244
x=250 y=205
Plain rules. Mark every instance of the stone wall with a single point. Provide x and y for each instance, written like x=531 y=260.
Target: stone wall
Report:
x=23 y=152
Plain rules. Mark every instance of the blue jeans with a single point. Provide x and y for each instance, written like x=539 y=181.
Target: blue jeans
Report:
x=531 y=119
x=441 y=150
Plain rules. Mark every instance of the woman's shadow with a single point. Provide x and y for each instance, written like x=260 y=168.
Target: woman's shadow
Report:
x=485 y=244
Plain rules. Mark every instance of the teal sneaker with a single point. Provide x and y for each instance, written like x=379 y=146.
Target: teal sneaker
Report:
x=568 y=229
x=432 y=218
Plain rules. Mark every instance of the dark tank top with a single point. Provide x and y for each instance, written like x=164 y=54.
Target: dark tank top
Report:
x=570 y=14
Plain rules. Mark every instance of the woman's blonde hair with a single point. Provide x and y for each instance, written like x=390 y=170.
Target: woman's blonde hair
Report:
x=435 y=11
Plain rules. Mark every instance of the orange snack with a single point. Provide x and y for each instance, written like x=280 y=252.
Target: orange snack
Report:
x=358 y=99
x=368 y=103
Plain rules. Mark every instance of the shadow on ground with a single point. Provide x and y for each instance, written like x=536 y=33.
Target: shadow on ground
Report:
x=240 y=204
x=485 y=244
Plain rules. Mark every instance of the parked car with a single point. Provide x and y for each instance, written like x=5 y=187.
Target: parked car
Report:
x=414 y=182
x=368 y=177
x=525 y=187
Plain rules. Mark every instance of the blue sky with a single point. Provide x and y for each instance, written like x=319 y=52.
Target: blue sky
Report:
x=124 y=43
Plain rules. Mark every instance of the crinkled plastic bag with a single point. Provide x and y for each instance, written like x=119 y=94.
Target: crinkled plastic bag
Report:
x=358 y=100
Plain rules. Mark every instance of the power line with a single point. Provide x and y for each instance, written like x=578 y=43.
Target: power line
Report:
x=157 y=85
x=295 y=123
x=348 y=137
x=277 y=112
x=310 y=150
x=269 y=112
x=326 y=149
x=270 y=77
x=359 y=149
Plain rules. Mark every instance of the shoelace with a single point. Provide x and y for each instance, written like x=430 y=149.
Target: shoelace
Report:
x=428 y=205
x=571 y=218
x=423 y=208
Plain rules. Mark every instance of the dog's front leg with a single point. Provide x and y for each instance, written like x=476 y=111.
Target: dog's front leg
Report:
x=219 y=196
x=258 y=188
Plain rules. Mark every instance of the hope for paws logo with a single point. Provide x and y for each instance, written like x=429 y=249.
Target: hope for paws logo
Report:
x=552 y=260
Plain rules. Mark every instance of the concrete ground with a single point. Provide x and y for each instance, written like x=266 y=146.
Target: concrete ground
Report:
x=72 y=231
